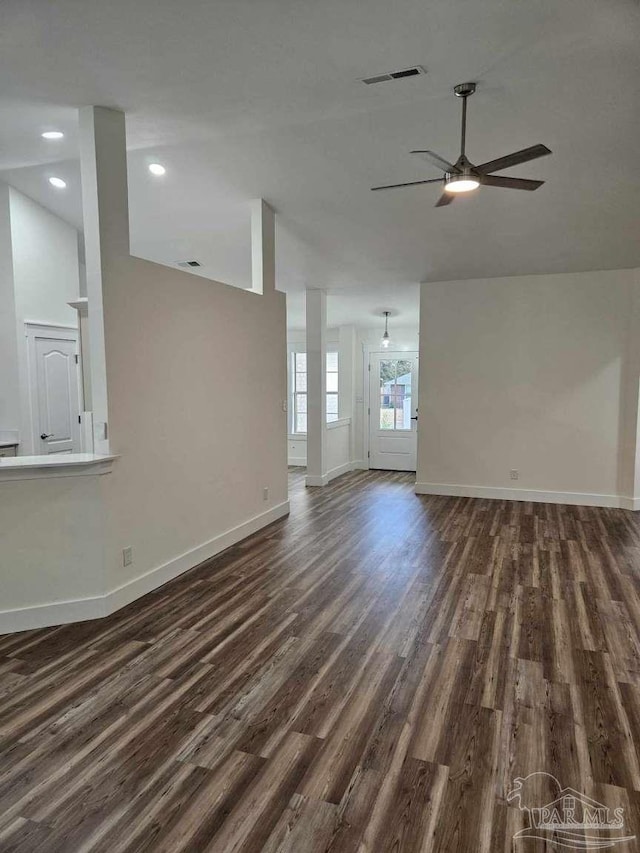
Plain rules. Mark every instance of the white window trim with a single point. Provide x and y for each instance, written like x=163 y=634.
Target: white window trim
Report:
x=336 y=393
x=292 y=350
x=301 y=346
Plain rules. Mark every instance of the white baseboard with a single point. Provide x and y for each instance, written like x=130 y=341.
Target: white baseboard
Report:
x=313 y=480
x=339 y=471
x=57 y=613
x=297 y=461
x=151 y=580
x=82 y=609
x=534 y=495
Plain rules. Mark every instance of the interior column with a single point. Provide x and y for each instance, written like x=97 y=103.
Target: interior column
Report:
x=263 y=249
x=316 y=387
x=105 y=211
x=347 y=358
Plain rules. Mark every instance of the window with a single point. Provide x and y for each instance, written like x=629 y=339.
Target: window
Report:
x=332 y=386
x=299 y=388
x=298 y=368
x=395 y=394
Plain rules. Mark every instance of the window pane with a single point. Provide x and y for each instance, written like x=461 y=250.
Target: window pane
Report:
x=332 y=361
x=386 y=418
x=332 y=381
x=301 y=423
x=403 y=368
x=301 y=362
x=395 y=394
x=301 y=381
x=387 y=372
x=301 y=402
x=332 y=404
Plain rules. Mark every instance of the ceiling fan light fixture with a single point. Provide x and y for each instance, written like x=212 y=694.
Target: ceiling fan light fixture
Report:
x=461 y=183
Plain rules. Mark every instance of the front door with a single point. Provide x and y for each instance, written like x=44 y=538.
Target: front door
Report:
x=56 y=395
x=393 y=410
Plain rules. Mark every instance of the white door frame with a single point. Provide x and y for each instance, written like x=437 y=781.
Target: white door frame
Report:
x=49 y=332
x=367 y=351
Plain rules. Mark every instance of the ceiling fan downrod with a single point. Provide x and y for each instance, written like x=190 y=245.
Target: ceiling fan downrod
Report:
x=464 y=90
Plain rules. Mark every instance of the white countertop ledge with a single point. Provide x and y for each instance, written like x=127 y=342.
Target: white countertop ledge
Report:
x=54 y=465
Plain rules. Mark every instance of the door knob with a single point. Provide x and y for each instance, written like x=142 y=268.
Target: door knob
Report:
x=44 y=436
x=415 y=418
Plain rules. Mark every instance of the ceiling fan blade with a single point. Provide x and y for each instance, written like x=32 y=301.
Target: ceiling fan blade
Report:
x=445 y=198
x=409 y=184
x=436 y=160
x=514 y=159
x=510 y=183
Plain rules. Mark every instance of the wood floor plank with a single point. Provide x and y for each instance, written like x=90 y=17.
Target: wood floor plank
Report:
x=370 y=674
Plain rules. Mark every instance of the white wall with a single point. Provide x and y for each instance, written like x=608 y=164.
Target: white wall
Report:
x=45 y=263
x=196 y=379
x=297 y=451
x=525 y=373
x=45 y=278
x=338 y=448
x=9 y=384
x=53 y=550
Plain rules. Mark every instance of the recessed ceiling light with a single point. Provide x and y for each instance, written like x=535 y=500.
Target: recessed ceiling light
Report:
x=156 y=169
x=52 y=134
x=58 y=182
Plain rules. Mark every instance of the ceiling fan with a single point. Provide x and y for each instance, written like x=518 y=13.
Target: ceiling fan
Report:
x=462 y=176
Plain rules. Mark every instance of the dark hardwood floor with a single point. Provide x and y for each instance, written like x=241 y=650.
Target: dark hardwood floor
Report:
x=368 y=675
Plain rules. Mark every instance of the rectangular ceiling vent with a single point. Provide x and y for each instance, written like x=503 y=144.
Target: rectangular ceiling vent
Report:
x=414 y=71
x=189 y=263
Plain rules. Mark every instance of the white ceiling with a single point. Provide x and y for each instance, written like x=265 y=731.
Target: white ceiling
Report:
x=242 y=99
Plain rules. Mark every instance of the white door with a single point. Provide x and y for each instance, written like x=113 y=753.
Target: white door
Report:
x=55 y=397
x=393 y=410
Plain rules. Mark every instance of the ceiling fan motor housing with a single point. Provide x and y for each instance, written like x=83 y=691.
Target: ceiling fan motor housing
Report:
x=463 y=90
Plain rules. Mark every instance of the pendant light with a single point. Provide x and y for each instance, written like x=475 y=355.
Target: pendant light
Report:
x=386 y=340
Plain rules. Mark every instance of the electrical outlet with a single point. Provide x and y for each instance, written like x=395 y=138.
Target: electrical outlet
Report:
x=127 y=556
x=265 y=493
x=514 y=473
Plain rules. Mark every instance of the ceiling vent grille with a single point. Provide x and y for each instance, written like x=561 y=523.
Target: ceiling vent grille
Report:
x=414 y=71
x=189 y=263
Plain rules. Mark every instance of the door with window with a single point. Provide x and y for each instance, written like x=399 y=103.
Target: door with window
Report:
x=393 y=410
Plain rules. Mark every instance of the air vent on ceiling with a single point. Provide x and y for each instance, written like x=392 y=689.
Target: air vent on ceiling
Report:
x=189 y=263
x=415 y=71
